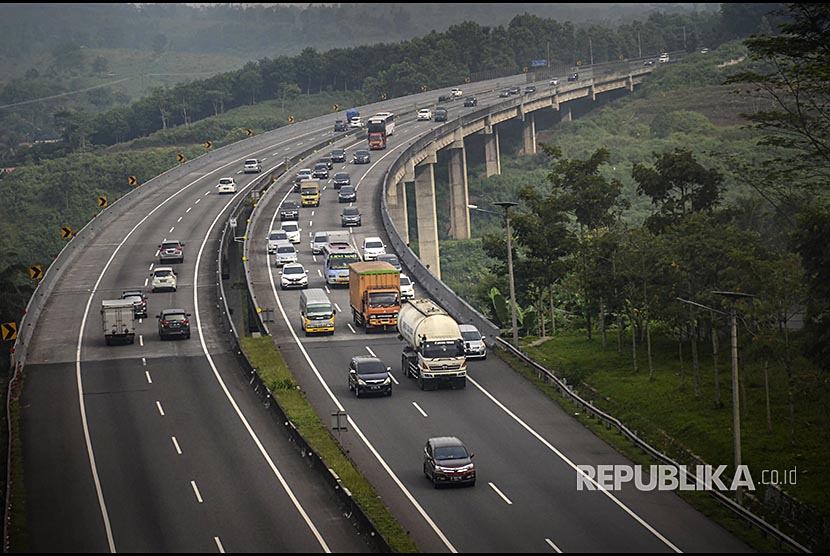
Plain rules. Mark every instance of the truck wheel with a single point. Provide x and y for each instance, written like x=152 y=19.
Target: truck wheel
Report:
x=404 y=366
x=421 y=382
x=109 y=343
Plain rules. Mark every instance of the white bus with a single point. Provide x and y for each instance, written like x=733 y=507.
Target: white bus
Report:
x=389 y=119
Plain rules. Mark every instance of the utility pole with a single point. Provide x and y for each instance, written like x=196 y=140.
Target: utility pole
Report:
x=506 y=206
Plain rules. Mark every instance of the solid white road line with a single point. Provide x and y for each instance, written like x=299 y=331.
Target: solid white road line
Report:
x=196 y=492
x=148 y=377
x=176 y=445
x=219 y=545
x=158 y=406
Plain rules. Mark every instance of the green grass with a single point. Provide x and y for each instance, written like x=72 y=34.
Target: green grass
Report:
x=275 y=373
x=677 y=423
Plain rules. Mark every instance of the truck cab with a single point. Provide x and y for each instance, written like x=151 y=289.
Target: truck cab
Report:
x=310 y=193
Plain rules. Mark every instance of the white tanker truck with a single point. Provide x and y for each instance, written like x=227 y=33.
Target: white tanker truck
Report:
x=434 y=354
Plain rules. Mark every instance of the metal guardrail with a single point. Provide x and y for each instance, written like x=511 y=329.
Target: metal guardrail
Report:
x=612 y=421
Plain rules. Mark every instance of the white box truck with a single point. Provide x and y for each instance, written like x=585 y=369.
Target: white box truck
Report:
x=118 y=321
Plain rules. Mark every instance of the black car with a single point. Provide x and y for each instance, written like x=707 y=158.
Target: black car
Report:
x=347 y=194
x=350 y=217
x=361 y=157
x=174 y=323
x=445 y=98
x=338 y=155
x=321 y=171
x=327 y=161
x=391 y=259
x=504 y=93
x=448 y=462
x=139 y=302
x=341 y=179
x=369 y=375
x=514 y=90
x=440 y=115
x=530 y=89
x=290 y=210
x=470 y=101
x=573 y=77
x=340 y=125
x=648 y=63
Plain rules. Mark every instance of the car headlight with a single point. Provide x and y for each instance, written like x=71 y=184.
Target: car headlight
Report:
x=361 y=382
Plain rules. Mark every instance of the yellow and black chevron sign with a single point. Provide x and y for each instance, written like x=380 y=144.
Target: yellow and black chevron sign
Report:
x=66 y=232
x=180 y=157
x=36 y=272
x=9 y=331
x=208 y=144
x=423 y=87
x=336 y=107
x=102 y=201
x=290 y=119
x=132 y=180
x=249 y=132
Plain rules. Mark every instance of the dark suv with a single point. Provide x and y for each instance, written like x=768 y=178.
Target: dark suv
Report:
x=347 y=194
x=448 y=462
x=341 y=179
x=321 y=171
x=173 y=323
x=290 y=210
x=340 y=125
x=350 y=217
x=139 y=302
x=369 y=375
x=440 y=115
x=338 y=155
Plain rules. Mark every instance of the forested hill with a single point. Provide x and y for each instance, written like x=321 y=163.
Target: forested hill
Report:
x=269 y=29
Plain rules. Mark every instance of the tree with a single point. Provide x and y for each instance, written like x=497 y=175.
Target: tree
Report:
x=677 y=185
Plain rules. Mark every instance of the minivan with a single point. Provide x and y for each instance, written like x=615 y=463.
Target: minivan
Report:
x=316 y=312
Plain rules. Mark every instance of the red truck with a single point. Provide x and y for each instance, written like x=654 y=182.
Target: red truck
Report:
x=375 y=294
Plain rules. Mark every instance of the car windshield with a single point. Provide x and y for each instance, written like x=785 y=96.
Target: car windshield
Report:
x=251 y=162
x=362 y=153
x=342 y=261
x=450 y=452
x=405 y=281
x=294 y=270
x=285 y=249
x=273 y=236
x=290 y=227
x=385 y=299
x=226 y=181
x=169 y=245
x=371 y=367
x=133 y=298
x=319 y=309
x=373 y=244
x=448 y=348
x=346 y=190
x=175 y=316
x=350 y=212
x=391 y=259
x=470 y=335
x=341 y=177
x=163 y=273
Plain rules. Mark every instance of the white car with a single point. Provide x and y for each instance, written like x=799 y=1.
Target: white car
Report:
x=285 y=254
x=407 y=288
x=252 y=166
x=293 y=275
x=275 y=237
x=474 y=345
x=424 y=114
x=163 y=278
x=456 y=92
x=318 y=242
x=663 y=59
x=372 y=247
x=304 y=174
x=356 y=123
x=226 y=185
x=292 y=230
x=554 y=82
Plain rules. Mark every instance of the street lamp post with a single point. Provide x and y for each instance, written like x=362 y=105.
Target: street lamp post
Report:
x=506 y=206
x=736 y=399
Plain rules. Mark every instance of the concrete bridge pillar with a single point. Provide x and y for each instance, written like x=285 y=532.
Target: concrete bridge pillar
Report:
x=565 y=113
x=459 y=194
x=528 y=135
x=491 y=151
x=427 y=215
x=396 y=201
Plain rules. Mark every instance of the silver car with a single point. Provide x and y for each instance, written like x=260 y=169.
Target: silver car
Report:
x=285 y=254
x=474 y=346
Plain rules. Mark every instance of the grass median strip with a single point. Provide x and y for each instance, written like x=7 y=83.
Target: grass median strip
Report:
x=270 y=365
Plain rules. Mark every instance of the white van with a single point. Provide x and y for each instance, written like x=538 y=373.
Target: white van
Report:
x=316 y=312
